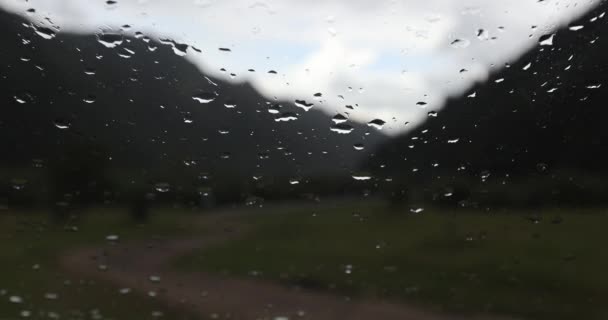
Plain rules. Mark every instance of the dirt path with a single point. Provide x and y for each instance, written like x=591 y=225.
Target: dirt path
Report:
x=136 y=265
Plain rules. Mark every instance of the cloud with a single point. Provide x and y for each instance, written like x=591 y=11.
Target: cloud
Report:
x=382 y=57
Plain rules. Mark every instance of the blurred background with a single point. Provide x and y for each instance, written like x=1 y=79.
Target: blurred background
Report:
x=285 y=160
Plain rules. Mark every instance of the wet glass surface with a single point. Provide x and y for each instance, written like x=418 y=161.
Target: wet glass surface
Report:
x=206 y=159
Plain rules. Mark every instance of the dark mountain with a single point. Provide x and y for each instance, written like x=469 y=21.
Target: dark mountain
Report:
x=536 y=130
x=132 y=108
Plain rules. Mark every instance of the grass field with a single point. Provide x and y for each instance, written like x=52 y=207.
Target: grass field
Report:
x=547 y=264
x=30 y=248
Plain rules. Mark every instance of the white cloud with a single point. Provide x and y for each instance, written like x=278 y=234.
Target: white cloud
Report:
x=391 y=53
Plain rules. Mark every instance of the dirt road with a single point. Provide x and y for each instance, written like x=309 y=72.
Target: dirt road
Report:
x=143 y=266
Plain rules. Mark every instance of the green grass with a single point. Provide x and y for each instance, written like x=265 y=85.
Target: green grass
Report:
x=29 y=250
x=461 y=262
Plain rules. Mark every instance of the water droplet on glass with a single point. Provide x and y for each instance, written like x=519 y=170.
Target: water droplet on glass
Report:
x=15 y=299
x=44 y=32
x=19 y=100
x=162 y=187
x=460 y=43
x=110 y=40
x=359 y=146
x=546 y=40
x=230 y=104
x=51 y=296
x=287 y=116
x=483 y=34
x=62 y=124
x=89 y=99
x=339 y=118
x=205 y=97
x=377 y=123
x=342 y=128
x=304 y=105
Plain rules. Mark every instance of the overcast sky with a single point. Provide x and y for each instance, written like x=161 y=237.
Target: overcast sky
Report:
x=392 y=54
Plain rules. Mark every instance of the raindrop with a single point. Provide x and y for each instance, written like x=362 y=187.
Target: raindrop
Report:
x=483 y=34
x=546 y=40
x=230 y=104
x=542 y=167
x=51 y=296
x=18 y=184
x=110 y=40
x=362 y=177
x=154 y=279
x=342 y=128
x=44 y=32
x=225 y=49
x=112 y=237
x=205 y=97
x=304 y=105
x=339 y=118
x=377 y=123
x=162 y=187
x=358 y=146
x=89 y=99
x=62 y=124
x=287 y=116
x=179 y=49
x=15 y=299
x=19 y=100
x=575 y=28
x=460 y=43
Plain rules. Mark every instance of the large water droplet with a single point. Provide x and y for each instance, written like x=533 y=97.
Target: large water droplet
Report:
x=304 y=105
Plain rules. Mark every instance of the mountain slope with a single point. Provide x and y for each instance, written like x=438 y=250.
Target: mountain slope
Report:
x=541 y=119
x=139 y=105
